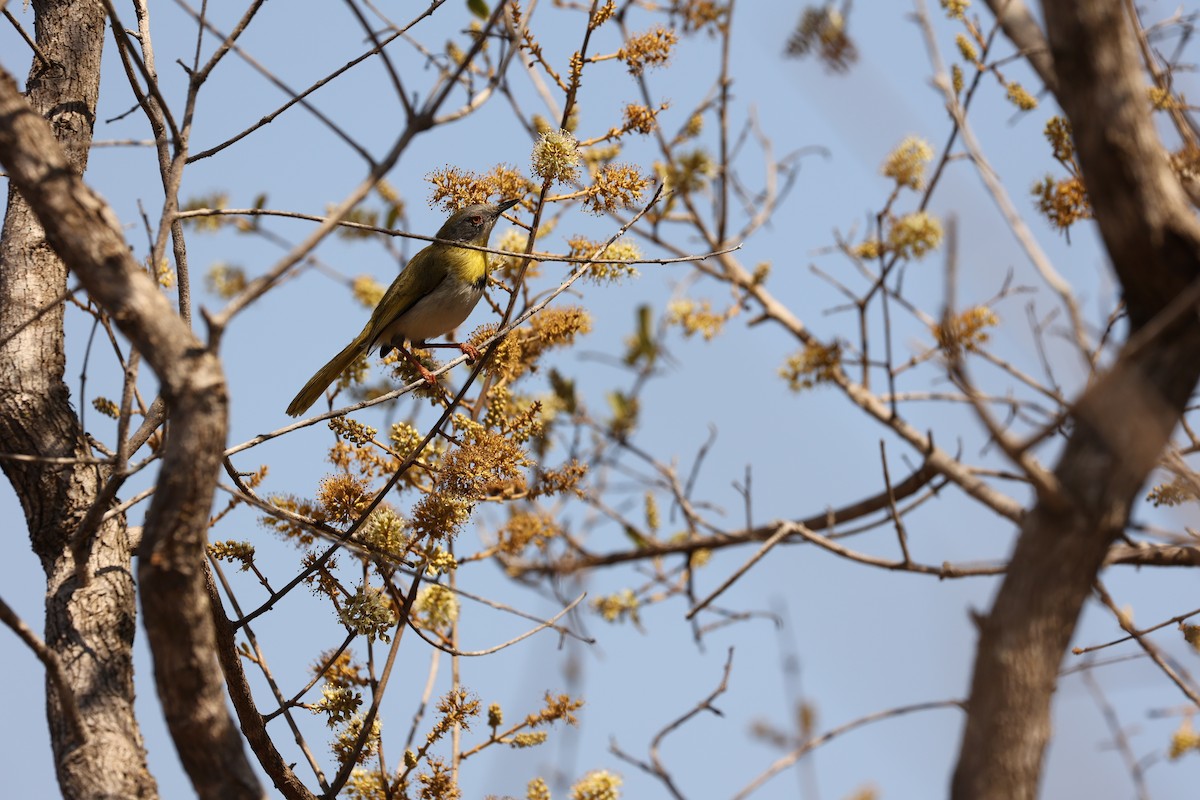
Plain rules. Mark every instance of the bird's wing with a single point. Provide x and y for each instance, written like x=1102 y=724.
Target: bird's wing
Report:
x=420 y=276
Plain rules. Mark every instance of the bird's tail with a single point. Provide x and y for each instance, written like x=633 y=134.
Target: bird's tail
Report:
x=326 y=375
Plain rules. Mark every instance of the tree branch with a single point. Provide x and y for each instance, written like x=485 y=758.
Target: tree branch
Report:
x=82 y=230
x=1120 y=424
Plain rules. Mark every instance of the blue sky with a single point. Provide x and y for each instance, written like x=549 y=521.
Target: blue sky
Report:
x=865 y=640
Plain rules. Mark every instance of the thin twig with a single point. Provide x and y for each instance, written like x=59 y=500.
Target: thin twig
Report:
x=62 y=684
x=815 y=742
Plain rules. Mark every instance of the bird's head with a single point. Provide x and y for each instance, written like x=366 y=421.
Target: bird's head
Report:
x=473 y=224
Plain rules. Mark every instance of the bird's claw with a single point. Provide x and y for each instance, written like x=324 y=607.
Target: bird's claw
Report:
x=471 y=351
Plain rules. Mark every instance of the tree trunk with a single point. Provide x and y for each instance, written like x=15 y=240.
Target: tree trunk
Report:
x=89 y=629
x=81 y=228
x=1121 y=423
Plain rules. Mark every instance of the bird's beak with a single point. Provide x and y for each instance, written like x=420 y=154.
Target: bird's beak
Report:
x=505 y=205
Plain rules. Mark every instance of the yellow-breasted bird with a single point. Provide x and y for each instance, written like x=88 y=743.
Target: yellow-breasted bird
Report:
x=434 y=293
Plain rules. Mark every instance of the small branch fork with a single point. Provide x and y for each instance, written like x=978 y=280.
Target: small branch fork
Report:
x=655 y=765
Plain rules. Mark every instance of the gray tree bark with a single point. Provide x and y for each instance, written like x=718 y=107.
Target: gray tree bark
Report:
x=1121 y=423
x=81 y=228
x=90 y=629
x=78 y=227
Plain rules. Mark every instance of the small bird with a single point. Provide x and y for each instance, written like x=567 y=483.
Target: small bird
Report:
x=434 y=293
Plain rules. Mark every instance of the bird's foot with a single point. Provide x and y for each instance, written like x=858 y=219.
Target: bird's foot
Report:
x=416 y=362
x=471 y=351
x=428 y=376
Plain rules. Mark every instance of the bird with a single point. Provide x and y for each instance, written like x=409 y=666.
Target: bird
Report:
x=432 y=295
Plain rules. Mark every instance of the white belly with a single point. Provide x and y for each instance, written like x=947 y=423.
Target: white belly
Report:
x=435 y=314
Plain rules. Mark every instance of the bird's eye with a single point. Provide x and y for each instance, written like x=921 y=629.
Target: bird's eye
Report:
x=476 y=220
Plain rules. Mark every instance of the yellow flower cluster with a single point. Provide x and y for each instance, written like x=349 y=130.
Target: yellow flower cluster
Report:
x=457 y=707
x=651 y=507
x=343 y=745
x=1019 y=97
x=486 y=463
x=1163 y=100
x=439 y=516
x=106 y=407
x=521 y=349
x=164 y=275
x=558 y=708
x=368 y=784
x=384 y=531
x=1063 y=202
x=955 y=9
x=351 y=430
x=231 y=551
x=517 y=417
x=436 y=608
x=603 y=14
x=342 y=671
x=1058 y=133
x=1184 y=739
x=687 y=172
x=617 y=607
x=1191 y=635
x=524 y=529
x=693 y=128
x=966 y=331
x=699 y=14
x=438 y=783
x=358 y=217
x=556 y=157
x=598 y=785
x=287 y=528
x=906 y=164
x=367 y=291
x=816 y=363
x=404 y=438
x=614 y=187
x=649 y=49
x=1176 y=492
x=914 y=235
x=439 y=561
x=553 y=482
x=622 y=249
x=454 y=188
x=823 y=29
x=529 y=739
x=639 y=118
x=699 y=318
x=966 y=48
x=1186 y=163
x=368 y=612
x=210 y=223
x=225 y=280
x=513 y=240
x=343 y=497
x=338 y=703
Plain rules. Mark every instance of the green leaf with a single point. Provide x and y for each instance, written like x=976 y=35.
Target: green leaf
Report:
x=479 y=8
x=642 y=345
x=564 y=390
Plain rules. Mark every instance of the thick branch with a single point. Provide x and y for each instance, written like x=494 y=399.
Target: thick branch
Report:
x=98 y=749
x=828 y=519
x=81 y=229
x=1120 y=424
x=1023 y=31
